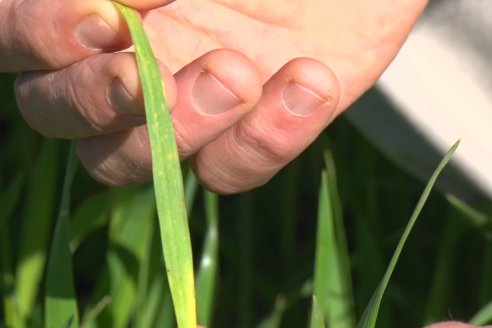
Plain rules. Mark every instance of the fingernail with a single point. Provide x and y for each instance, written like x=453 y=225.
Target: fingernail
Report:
x=120 y=99
x=300 y=101
x=93 y=33
x=211 y=97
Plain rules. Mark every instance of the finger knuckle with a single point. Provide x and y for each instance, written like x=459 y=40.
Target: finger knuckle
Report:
x=262 y=144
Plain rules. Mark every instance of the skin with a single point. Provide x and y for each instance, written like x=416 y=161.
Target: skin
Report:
x=280 y=72
x=453 y=324
x=330 y=51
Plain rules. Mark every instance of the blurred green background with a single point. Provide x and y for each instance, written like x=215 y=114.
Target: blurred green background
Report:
x=266 y=238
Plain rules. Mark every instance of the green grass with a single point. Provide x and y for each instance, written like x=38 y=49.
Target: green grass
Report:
x=118 y=266
x=60 y=306
x=317 y=318
x=258 y=266
x=168 y=183
x=370 y=315
x=332 y=284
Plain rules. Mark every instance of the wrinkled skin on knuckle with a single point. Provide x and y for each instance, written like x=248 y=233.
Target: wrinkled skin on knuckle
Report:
x=268 y=147
x=22 y=94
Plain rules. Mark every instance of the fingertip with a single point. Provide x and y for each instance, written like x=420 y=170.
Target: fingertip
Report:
x=101 y=27
x=297 y=103
x=145 y=4
x=315 y=78
x=236 y=72
x=232 y=74
x=452 y=324
x=214 y=92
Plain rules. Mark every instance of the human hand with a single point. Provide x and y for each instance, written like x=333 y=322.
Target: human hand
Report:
x=454 y=324
x=243 y=101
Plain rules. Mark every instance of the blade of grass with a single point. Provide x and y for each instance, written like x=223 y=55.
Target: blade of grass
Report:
x=153 y=292
x=164 y=320
x=368 y=263
x=345 y=304
x=131 y=213
x=88 y=217
x=131 y=226
x=484 y=316
x=330 y=285
x=148 y=313
x=175 y=236
x=8 y=201
x=439 y=295
x=317 y=320
x=207 y=273
x=485 y=283
x=274 y=320
x=60 y=301
x=475 y=217
x=327 y=276
x=285 y=302
x=37 y=223
x=147 y=298
x=10 y=197
x=326 y=251
x=191 y=187
x=150 y=309
x=370 y=315
x=364 y=198
x=94 y=312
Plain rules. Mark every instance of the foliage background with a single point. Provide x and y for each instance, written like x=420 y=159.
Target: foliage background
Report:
x=267 y=236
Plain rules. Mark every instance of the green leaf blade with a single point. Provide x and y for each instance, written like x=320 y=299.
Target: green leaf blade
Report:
x=168 y=182
x=317 y=320
x=60 y=303
x=370 y=314
x=332 y=285
x=131 y=228
x=38 y=218
x=90 y=216
x=207 y=273
x=8 y=201
x=484 y=316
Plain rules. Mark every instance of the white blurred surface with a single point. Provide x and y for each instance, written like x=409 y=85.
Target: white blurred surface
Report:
x=440 y=84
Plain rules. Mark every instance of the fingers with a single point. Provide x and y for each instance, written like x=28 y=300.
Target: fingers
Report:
x=50 y=34
x=214 y=92
x=297 y=104
x=239 y=139
x=453 y=324
x=146 y=4
x=98 y=95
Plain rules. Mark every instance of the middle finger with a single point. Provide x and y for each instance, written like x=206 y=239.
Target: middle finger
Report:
x=98 y=95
